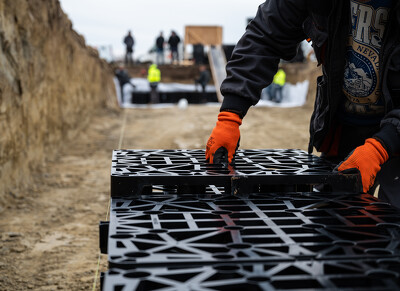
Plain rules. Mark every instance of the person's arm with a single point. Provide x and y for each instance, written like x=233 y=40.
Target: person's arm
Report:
x=275 y=33
x=389 y=134
x=365 y=160
x=368 y=158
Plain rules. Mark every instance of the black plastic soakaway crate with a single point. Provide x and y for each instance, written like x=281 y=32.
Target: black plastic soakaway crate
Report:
x=179 y=223
x=134 y=172
x=213 y=228
x=381 y=274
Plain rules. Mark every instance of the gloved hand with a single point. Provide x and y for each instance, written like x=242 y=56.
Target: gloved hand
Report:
x=224 y=139
x=367 y=159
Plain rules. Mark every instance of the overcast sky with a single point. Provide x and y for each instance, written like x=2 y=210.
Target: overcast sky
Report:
x=106 y=22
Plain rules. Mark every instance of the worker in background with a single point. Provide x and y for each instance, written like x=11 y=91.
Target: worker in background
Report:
x=154 y=77
x=129 y=42
x=123 y=79
x=275 y=89
x=160 y=49
x=173 y=42
x=203 y=80
x=356 y=118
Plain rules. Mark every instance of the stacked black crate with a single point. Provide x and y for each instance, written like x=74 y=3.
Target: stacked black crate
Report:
x=276 y=234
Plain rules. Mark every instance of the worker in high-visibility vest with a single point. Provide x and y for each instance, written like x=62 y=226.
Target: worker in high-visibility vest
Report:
x=154 y=77
x=275 y=89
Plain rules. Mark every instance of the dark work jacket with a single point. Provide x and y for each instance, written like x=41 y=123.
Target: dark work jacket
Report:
x=160 y=42
x=173 y=41
x=276 y=32
x=123 y=77
x=129 y=41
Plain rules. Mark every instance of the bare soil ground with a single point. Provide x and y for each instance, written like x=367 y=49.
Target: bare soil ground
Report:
x=49 y=239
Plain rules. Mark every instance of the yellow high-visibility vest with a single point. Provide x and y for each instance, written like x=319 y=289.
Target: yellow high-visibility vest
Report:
x=280 y=77
x=154 y=74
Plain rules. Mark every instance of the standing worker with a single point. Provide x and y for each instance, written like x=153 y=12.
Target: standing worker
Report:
x=154 y=77
x=173 y=42
x=129 y=42
x=356 y=118
x=275 y=89
x=160 y=49
x=203 y=80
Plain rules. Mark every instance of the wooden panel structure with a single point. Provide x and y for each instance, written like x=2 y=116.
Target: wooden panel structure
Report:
x=205 y=35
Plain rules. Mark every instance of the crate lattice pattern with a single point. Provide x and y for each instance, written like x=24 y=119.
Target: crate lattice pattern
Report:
x=210 y=228
x=299 y=275
x=192 y=162
x=176 y=225
x=133 y=169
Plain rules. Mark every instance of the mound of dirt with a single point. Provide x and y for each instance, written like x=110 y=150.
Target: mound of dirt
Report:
x=51 y=84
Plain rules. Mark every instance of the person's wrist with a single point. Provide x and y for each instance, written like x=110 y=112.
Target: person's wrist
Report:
x=227 y=116
x=380 y=149
x=235 y=104
x=389 y=138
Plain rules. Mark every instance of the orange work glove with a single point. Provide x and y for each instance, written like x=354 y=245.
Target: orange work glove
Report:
x=367 y=159
x=224 y=139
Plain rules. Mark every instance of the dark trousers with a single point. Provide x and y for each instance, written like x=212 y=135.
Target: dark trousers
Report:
x=275 y=92
x=174 y=54
x=122 y=91
x=128 y=57
x=154 y=97
x=203 y=96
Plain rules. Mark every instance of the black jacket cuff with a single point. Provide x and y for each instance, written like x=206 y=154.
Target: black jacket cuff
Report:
x=236 y=104
x=390 y=139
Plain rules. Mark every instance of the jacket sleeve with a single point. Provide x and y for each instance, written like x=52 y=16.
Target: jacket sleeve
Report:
x=275 y=33
x=389 y=133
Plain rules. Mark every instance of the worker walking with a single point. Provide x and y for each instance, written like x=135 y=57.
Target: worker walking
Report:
x=275 y=89
x=154 y=77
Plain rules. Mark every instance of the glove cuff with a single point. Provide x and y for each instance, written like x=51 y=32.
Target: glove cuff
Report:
x=380 y=149
x=236 y=104
x=229 y=116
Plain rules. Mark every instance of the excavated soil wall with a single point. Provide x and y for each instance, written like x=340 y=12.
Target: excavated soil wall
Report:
x=51 y=84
